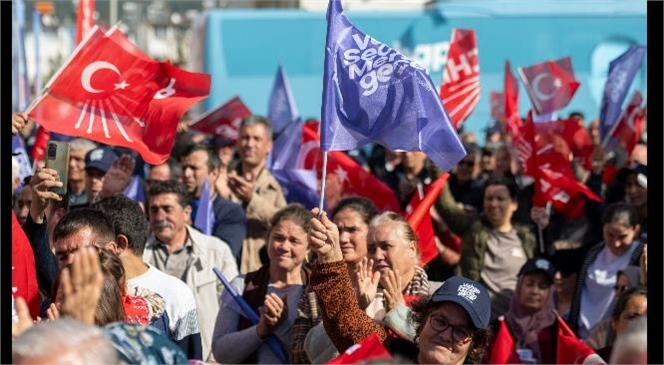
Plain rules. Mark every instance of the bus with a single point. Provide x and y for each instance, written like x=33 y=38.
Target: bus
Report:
x=242 y=49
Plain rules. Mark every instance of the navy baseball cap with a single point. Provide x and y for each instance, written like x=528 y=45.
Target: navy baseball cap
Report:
x=641 y=172
x=540 y=264
x=100 y=158
x=470 y=295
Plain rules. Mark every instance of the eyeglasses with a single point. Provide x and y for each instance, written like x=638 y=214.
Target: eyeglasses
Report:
x=441 y=324
x=620 y=288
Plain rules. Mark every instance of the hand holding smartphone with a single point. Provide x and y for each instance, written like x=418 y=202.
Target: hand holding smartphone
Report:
x=57 y=158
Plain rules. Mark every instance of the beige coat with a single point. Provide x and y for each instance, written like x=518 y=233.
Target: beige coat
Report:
x=208 y=252
x=267 y=199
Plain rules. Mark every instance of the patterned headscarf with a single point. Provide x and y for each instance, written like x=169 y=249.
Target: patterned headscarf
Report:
x=137 y=344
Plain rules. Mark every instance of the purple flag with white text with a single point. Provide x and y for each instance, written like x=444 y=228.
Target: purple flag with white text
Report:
x=622 y=71
x=281 y=109
x=21 y=155
x=205 y=218
x=372 y=93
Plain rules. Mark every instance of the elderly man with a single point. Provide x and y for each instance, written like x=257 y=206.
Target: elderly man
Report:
x=178 y=249
x=252 y=185
x=198 y=163
x=76 y=179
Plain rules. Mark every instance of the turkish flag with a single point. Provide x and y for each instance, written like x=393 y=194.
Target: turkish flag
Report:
x=630 y=124
x=420 y=218
x=224 y=120
x=109 y=95
x=367 y=350
x=24 y=274
x=497 y=106
x=460 y=89
x=550 y=84
x=344 y=177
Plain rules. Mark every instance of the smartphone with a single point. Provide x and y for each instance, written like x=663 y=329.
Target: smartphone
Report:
x=57 y=158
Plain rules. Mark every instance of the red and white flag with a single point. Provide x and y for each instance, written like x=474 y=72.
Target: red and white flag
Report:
x=497 y=106
x=460 y=90
x=111 y=96
x=224 y=120
x=629 y=126
x=511 y=99
x=550 y=84
x=84 y=18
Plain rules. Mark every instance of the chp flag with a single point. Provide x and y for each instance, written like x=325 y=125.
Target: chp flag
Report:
x=224 y=120
x=550 y=84
x=110 y=95
x=460 y=89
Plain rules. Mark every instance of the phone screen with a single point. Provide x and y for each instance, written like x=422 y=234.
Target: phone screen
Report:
x=57 y=158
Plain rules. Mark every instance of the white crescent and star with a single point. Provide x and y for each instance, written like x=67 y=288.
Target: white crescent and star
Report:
x=95 y=66
x=538 y=91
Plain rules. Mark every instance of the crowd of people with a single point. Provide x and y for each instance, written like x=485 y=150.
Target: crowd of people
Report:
x=115 y=276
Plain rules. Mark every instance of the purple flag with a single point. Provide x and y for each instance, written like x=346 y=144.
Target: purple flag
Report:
x=281 y=109
x=135 y=190
x=205 y=218
x=622 y=71
x=18 y=148
x=371 y=92
x=299 y=185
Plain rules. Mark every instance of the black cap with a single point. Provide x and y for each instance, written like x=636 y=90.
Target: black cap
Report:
x=641 y=172
x=540 y=264
x=100 y=158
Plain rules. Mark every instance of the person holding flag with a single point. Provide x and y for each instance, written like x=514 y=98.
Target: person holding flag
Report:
x=530 y=332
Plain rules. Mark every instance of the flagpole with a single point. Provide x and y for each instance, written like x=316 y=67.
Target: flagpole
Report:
x=540 y=231
x=322 y=186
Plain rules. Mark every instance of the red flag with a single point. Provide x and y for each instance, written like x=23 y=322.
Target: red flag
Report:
x=630 y=123
x=570 y=133
x=345 y=177
x=224 y=120
x=369 y=349
x=571 y=350
x=84 y=18
x=420 y=218
x=510 y=94
x=460 y=89
x=503 y=348
x=111 y=96
x=550 y=84
x=496 y=100
x=24 y=274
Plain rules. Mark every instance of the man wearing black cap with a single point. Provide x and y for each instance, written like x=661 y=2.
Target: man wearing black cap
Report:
x=97 y=163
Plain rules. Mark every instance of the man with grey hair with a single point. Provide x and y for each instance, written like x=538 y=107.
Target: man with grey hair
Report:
x=78 y=148
x=63 y=341
x=631 y=347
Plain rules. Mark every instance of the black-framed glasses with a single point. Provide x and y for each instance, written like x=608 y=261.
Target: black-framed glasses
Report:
x=440 y=324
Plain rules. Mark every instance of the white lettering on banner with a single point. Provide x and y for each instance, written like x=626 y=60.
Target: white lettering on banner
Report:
x=374 y=63
x=454 y=67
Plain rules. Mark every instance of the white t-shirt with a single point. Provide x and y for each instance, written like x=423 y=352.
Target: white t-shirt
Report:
x=180 y=305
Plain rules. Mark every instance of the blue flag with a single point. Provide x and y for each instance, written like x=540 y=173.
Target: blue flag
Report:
x=134 y=190
x=281 y=109
x=299 y=185
x=622 y=71
x=21 y=155
x=371 y=92
x=205 y=218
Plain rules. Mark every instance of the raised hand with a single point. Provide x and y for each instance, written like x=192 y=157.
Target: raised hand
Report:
x=24 y=320
x=392 y=282
x=19 y=120
x=53 y=312
x=41 y=182
x=81 y=286
x=540 y=216
x=118 y=176
x=241 y=186
x=273 y=312
x=367 y=282
x=323 y=237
